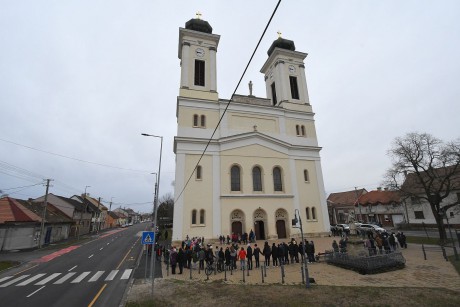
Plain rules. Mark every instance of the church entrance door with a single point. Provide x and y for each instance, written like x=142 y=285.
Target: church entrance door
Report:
x=237 y=228
x=281 y=229
x=260 y=230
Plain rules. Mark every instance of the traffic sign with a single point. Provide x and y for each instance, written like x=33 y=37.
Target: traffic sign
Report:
x=148 y=237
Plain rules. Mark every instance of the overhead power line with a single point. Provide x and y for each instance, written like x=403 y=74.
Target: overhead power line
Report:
x=231 y=98
x=75 y=159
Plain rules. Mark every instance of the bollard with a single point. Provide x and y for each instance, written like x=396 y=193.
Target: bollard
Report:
x=167 y=268
x=242 y=268
x=282 y=274
x=225 y=273
x=146 y=261
x=303 y=275
x=215 y=269
x=207 y=275
x=265 y=270
x=248 y=268
x=190 y=269
x=424 y=253
x=231 y=269
x=262 y=272
x=199 y=268
x=444 y=253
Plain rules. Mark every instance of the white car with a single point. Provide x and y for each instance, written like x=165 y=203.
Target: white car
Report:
x=372 y=227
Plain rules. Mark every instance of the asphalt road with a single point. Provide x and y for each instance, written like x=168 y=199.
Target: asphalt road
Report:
x=95 y=273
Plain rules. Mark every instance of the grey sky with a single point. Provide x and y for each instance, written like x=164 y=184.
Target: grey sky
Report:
x=85 y=78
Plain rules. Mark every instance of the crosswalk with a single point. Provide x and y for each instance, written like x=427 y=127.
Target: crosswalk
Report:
x=42 y=279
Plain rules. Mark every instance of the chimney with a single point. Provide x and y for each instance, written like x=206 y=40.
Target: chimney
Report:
x=379 y=188
x=386 y=188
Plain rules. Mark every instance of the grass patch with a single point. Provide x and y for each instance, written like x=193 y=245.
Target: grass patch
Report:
x=208 y=294
x=7 y=264
x=455 y=263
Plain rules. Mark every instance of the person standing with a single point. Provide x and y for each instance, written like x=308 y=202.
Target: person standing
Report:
x=173 y=260
x=242 y=256
x=228 y=258
x=256 y=255
x=267 y=252
x=180 y=259
x=249 y=255
x=274 y=255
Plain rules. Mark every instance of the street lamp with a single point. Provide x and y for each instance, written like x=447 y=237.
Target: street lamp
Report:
x=304 y=267
x=155 y=209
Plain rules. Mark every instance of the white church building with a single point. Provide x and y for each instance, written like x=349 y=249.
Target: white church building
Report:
x=262 y=164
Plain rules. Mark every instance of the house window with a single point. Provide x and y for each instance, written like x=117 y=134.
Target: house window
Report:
x=313 y=213
x=198 y=172
x=451 y=213
x=419 y=215
x=274 y=94
x=294 y=88
x=302 y=129
x=277 y=182
x=307 y=211
x=257 y=179
x=235 y=178
x=415 y=200
x=199 y=72
x=202 y=217
x=195 y=120
x=305 y=175
x=203 y=121
x=193 y=217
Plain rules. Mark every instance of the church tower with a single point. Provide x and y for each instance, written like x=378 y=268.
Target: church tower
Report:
x=262 y=164
x=197 y=52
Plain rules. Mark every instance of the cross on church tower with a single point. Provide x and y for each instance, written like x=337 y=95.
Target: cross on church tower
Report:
x=198 y=15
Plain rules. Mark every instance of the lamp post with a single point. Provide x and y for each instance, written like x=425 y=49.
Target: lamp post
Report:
x=155 y=209
x=296 y=220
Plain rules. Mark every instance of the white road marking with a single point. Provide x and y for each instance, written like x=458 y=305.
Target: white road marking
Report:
x=64 y=278
x=112 y=274
x=96 y=276
x=101 y=248
x=14 y=280
x=72 y=268
x=35 y=291
x=126 y=274
x=80 y=278
x=108 y=243
x=6 y=278
x=91 y=256
x=47 y=279
x=28 y=281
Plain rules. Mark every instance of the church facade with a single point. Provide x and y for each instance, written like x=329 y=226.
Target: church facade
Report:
x=262 y=165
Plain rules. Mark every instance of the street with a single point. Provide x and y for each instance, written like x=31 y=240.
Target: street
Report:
x=95 y=273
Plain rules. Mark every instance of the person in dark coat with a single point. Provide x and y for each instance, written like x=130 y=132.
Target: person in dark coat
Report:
x=228 y=258
x=188 y=257
x=267 y=252
x=256 y=255
x=173 y=260
x=221 y=259
x=275 y=255
x=296 y=251
x=280 y=254
x=286 y=253
x=249 y=256
x=181 y=259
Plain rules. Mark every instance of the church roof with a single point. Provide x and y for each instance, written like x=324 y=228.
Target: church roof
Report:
x=199 y=25
x=379 y=197
x=347 y=198
x=281 y=43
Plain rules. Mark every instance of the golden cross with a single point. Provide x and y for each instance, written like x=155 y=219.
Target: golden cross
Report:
x=279 y=34
x=198 y=15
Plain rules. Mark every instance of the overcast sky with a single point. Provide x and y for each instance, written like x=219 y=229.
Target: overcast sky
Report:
x=83 y=80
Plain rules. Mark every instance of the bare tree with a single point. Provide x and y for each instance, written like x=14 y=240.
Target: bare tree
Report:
x=425 y=167
x=166 y=207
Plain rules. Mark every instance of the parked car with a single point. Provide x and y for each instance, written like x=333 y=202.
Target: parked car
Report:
x=343 y=227
x=374 y=228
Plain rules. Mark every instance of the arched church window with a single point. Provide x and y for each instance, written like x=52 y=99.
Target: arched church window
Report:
x=202 y=215
x=307 y=211
x=235 y=178
x=198 y=172
x=257 y=179
x=297 y=130
x=302 y=128
x=277 y=182
x=193 y=217
x=203 y=121
x=313 y=213
x=305 y=175
x=195 y=120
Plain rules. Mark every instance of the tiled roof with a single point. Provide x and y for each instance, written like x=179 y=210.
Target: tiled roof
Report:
x=379 y=197
x=53 y=215
x=78 y=205
x=345 y=198
x=413 y=185
x=12 y=211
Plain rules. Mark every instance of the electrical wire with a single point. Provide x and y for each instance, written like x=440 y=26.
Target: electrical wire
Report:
x=228 y=104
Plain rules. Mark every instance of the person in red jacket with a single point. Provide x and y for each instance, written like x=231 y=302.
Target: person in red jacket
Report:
x=242 y=256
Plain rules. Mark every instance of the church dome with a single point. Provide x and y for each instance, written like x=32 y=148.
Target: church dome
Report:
x=281 y=43
x=199 y=25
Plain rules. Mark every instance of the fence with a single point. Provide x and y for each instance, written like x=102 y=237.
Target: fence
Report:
x=367 y=264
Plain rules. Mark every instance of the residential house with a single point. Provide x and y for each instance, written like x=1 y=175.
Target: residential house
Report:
x=419 y=210
x=341 y=206
x=381 y=206
x=113 y=219
x=123 y=216
x=91 y=209
x=19 y=226
x=101 y=218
